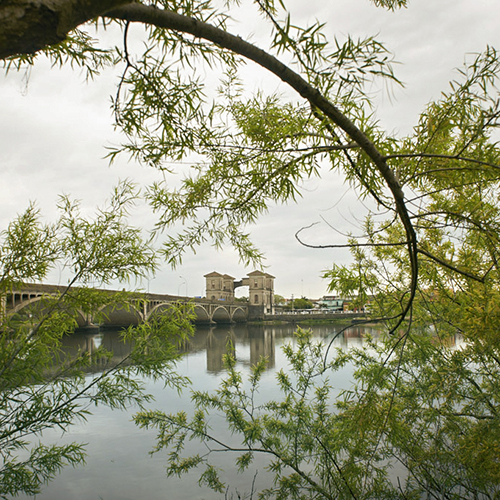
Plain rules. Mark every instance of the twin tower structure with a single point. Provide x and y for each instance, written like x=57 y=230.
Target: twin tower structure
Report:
x=260 y=284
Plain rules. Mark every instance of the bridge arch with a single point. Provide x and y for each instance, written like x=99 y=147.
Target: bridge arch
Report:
x=221 y=314
x=122 y=315
x=202 y=314
x=34 y=302
x=26 y=302
x=156 y=309
x=238 y=315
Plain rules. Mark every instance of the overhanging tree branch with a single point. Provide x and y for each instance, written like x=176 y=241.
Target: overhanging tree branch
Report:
x=46 y=22
x=171 y=20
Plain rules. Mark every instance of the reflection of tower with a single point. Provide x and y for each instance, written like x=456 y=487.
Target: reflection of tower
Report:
x=218 y=344
x=261 y=345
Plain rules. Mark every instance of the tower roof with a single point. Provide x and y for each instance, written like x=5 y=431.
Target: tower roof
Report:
x=214 y=274
x=261 y=273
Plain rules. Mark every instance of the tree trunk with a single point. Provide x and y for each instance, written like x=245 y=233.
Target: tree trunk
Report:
x=27 y=26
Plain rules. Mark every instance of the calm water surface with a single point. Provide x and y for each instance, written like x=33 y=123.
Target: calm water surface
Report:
x=119 y=466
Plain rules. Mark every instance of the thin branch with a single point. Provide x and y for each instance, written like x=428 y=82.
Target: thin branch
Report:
x=339 y=470
x=440 y=190
x=492 y=117
x=450 y=266
x=344 y=245
x=442 y=156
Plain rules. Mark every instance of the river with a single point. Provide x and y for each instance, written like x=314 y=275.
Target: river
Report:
x=119 y=465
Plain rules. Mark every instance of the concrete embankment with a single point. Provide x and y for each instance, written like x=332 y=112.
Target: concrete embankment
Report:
x=303 y=316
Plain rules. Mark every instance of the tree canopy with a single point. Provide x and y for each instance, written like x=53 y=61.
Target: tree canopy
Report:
x=43 y=387
x=428 y=261
x=300 y=303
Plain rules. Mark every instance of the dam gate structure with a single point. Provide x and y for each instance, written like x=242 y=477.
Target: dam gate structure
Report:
x=221 y=288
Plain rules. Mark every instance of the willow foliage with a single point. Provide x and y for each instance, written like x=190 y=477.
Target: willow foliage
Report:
x=427 y=264
x=41 y=385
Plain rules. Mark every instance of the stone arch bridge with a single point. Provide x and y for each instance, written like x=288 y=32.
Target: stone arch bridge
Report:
x=29 y=297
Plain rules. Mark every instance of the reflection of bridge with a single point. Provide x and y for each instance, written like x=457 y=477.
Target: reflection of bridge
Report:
x=30 y=297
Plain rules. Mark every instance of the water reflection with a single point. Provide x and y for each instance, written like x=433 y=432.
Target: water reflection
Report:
x=119 y=466
x=215 y=342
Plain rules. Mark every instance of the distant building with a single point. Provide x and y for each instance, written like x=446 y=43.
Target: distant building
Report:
x=331 y=303
x=261 y=289
x=219 y=286
x=355 y=306
x=260 y=284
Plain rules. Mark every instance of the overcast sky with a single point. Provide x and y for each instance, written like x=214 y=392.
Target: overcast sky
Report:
x=55 y=127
